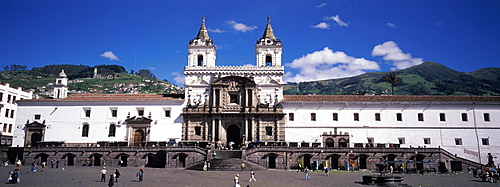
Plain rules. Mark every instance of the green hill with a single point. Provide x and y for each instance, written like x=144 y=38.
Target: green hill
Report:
x=428 y=78
x=110 y=79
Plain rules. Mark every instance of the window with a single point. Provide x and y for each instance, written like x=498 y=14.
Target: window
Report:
x=420 y=116
x=370 y=140
x=200 y=60
x=9 y=98
x=233 y=98
x=335 y=116
x=458 y=141
x=356 y=116
x=313 y=116
x=13 y=99
x=7 y=113
x=87 y=112
x=11 y=113
x=112 y=130
x=114 y=112
x=485 y=141
x=464 y=117
x=486 y=116
x=427 y=141
x=197 y=131
x=269 y=61
x=38 y=116
x=167 y=112
x=269 y=131
x=291 y=117
x=85 y=130
x=140 y=111
x=399 y=117
x=377 y=116
x=10 y=127
x=442 y=117
x=5 y=127
x=1 y=97
x=402 y=140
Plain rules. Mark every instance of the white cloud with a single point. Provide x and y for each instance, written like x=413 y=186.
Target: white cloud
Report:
x=178 y=78
x=321 y=5
x=216 y=30
x=394 y=55
x=152 y=68
x=338 y=20
x=321 y=25
x=328 y=64
x=240 y=26
x=391 y=25
x=109 y=55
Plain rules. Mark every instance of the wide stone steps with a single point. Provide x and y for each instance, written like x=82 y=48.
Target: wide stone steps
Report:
x=226 y=160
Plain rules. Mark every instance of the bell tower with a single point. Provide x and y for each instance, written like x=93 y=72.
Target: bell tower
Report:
x=268 y=49
x=61 y=86
x=201 y=50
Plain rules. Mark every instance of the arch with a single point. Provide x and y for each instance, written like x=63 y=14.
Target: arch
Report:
x=112 y=130
x=329 y=142
x=200 y=60
x=181 y=159
x=269 y=60
x=391 y=160
x=36 y=138
x=43 y=157
x=419 y=161
x=334 y=159
x=70 y=159
x=85 y=130
x=305 y=160
x=138 y=137
x=362 y=161
x=233 y=135
x=343 y=142
x=95 y=159
x=271 y=160
x=122 y=157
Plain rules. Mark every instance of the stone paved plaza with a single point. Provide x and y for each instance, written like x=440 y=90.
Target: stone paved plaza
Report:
x=90 y=176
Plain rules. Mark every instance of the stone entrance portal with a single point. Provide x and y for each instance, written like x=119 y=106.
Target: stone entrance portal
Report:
x=233 y=135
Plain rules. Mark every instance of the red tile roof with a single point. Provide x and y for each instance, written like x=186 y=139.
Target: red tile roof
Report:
x=389 y=98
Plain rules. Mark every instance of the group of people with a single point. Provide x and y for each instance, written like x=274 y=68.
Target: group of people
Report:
x=237 y=178
x=113 y=178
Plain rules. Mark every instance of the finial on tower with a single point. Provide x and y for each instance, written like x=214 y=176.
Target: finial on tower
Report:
x=203 y=20
x=268 y=19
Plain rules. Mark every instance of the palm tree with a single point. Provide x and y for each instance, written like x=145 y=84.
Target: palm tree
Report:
x=392 y=78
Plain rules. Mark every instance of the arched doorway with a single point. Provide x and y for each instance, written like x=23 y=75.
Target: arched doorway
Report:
x=342 y=142
x=70 y=159
x=420 y=161
x=271 y=160
x=43 y=157
x=96 y=159
x=138 y=137
x=234 y=135
x=305 y=160
x=362 y=161
x=124 y=158
x=329 y=142
x=35 y=138
x=335 y=161
x=391 y=160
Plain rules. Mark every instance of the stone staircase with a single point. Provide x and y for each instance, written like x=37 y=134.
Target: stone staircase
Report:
x=228 y=160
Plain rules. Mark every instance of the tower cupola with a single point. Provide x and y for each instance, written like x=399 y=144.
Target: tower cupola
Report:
x=268 y=49
x=201 y=50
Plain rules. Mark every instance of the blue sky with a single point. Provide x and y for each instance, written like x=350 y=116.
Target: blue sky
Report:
x=321 y=39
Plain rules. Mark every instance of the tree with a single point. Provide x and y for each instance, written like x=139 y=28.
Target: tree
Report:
x=392 y=78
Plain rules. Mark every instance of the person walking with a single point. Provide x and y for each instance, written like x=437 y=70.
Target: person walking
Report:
x=18 y=165
x=15 y=176
x=43 y=166
x=236 y=180
x=103 y=174
x=140 y=174
x=33 y=167
x=117 y=175
x=111 y=180
x=252 y=176
x=306 y=171
x=327 y=173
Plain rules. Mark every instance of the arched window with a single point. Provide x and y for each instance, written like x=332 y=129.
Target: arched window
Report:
x=269 y=61
x=85 y=130
x=200 y=60
x=112 y=130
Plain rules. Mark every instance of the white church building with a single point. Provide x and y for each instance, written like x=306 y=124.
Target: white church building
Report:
x=246 y=104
